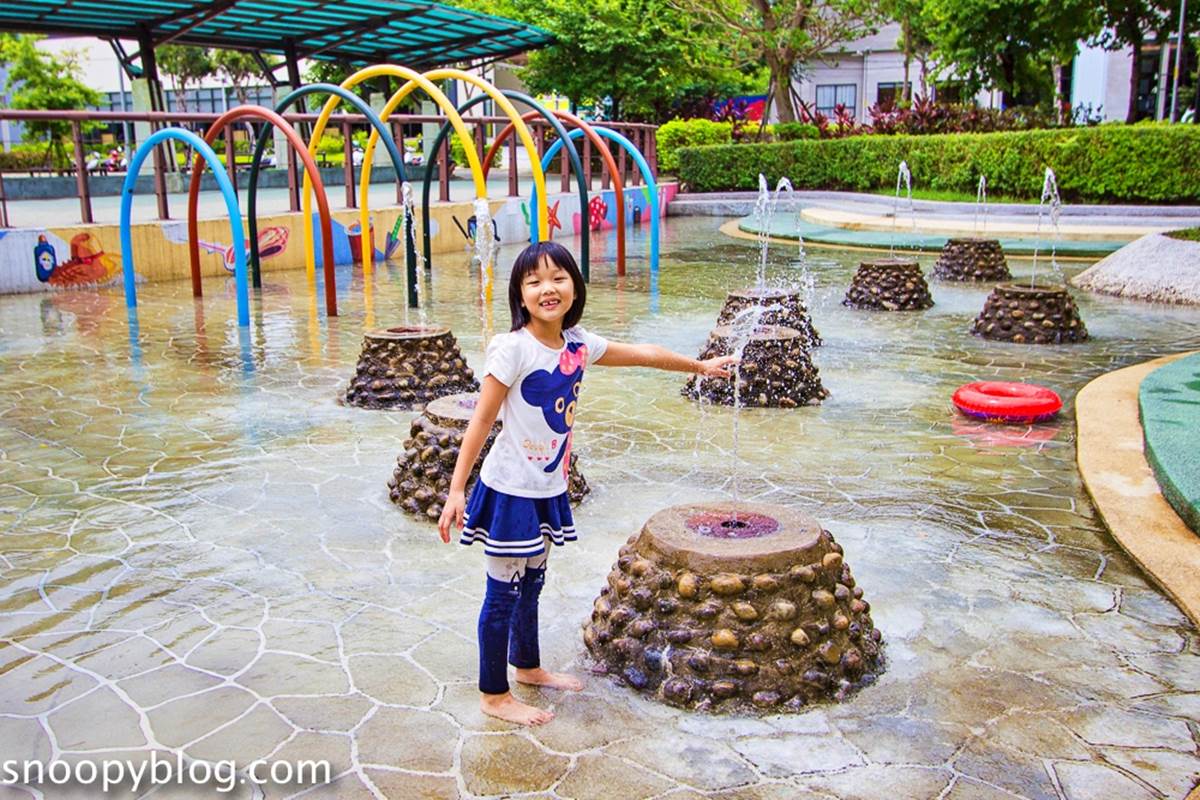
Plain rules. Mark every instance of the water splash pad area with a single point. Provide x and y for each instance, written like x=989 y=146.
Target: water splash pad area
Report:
x=199 y=548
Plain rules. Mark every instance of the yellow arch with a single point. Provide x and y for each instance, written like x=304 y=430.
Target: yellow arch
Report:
x=539 y=178
x=416 y=79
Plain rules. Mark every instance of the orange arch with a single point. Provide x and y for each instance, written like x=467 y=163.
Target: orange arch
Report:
x=310 y=166
x=609 y=162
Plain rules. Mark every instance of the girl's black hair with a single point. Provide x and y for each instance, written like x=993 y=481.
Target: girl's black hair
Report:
x=526 y=263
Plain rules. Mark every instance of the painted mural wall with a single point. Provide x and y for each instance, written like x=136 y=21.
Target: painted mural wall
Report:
x=75 y=256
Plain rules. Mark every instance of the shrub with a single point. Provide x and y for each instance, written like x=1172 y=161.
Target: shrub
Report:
x=458 y=153
x=27 y=157
x=1145 y=164
x=688 y=133
x=331 y=143
x=794 y=131
x=842 y=124
x=925 y=116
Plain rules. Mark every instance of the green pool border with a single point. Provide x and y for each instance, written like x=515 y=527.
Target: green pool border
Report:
x=787 y=226
x=1169 y=409
x=1124 y=490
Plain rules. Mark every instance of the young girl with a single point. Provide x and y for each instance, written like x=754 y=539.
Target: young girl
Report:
x=519 y=505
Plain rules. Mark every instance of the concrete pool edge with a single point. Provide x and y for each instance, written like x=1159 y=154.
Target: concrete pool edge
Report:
x=733 y=228
x=1127 y=496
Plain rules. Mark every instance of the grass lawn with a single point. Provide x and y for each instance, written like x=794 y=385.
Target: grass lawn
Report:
x=949 y=196
x=1186 y=234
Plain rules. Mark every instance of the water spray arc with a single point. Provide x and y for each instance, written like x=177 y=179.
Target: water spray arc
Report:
x=647 y=175
x=489 y=91
x=231 y=207
x=256 y=165
x=310 y=168
x=609 y=163
x=416 y=79
x=538 y=110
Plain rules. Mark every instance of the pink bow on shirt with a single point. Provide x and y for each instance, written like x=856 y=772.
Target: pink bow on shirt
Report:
x=569 y=360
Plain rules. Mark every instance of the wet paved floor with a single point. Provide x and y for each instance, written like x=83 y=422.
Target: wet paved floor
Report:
x=197 y=552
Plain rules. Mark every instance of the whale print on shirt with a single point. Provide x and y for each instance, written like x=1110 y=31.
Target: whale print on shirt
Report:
x=555 y=392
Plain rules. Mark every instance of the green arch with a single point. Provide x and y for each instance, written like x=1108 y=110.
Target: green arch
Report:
x=410 y=254
x=572 y=153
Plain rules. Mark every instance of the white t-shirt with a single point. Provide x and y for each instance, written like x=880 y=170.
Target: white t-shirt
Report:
x=531 y=455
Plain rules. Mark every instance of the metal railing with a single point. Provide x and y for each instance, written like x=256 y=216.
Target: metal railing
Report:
x=643 y=136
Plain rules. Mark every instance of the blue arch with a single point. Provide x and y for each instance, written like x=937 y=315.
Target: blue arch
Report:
x=231 y=206
x=643 y=167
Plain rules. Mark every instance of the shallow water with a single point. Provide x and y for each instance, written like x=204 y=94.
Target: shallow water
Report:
x=197 y=550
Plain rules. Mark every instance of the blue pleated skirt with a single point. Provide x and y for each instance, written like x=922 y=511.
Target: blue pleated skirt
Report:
x=513 y=527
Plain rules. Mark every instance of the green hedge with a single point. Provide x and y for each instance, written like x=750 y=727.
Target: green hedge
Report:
x=679 y=133
x=1135 y=163
x=791 y=131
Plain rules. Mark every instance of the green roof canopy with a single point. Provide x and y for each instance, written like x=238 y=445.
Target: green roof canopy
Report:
x=408 y=32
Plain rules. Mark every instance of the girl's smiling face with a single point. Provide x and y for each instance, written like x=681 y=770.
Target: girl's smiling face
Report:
x=547 y=292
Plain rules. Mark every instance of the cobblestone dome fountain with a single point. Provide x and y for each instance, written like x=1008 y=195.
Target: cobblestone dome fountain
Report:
x=406 y=367
x=721 y=606
x=1030 y=315
x=776 y=370
x=972 y=259
x=781 y=306
x=421 y=479
x=890 y=284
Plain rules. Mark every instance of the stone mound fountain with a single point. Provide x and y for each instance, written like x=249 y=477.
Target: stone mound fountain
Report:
x=421 y=479
x=734 y=605
x=891 y=284
x=406 y=367
x=972 y=259
x=776 y=370
x=782 y=306
x=1030 y=315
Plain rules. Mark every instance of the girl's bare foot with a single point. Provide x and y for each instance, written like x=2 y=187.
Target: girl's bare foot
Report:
x=551 y=680
x=508 y=708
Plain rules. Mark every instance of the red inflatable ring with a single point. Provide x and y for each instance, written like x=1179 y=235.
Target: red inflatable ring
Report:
x=1008 y=402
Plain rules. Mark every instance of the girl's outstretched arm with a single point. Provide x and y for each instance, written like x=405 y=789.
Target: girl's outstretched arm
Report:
x=491 y=397
x=652 y=355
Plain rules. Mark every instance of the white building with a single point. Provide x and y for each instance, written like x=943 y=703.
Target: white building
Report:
x=871 y=70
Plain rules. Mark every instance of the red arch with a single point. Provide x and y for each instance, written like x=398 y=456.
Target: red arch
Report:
x=609 y=162
x=310 y=166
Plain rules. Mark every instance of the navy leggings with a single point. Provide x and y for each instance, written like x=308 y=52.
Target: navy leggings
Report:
x=508 y=620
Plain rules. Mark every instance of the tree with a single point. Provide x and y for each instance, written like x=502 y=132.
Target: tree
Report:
x=1009 y=44
x=647 y=58
x=1127 y=23
x=241 y=69
x=329 y=71
x=186 y=65
x=786 y=34
x=914 y=41
x=41 y=81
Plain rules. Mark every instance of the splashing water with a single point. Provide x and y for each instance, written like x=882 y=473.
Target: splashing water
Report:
x=764 y=212
x=485 y=247
x=903 y=176
x=744 y=325
x=762 y=221
x=981 y=204
x=807 y=282
x=410 y=234
x=1049 y=195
